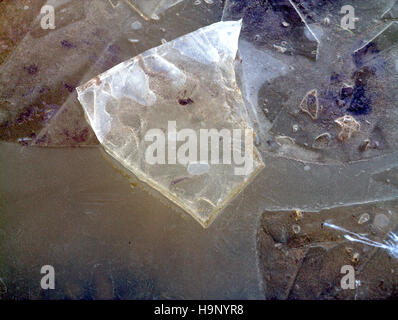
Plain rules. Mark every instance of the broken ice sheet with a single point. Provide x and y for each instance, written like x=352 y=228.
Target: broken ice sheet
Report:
x=186 y=83
x=391 y=244
x=301 y=258
x=343 y=81
x=39 y=69
x=384 y=40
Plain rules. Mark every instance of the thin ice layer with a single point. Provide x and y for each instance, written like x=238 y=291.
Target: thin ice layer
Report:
x=40 y=68
x=297 y=105
x=139 y=108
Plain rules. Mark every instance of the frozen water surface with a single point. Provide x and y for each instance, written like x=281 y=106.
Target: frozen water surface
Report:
x=109 y=238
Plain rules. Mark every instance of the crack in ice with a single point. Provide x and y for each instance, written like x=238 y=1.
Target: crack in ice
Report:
x=391 y=245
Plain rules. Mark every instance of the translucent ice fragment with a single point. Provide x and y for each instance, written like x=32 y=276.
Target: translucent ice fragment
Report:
x=334 y=82
x=391 y=245
x=310 y=104
x=348 y=126
x=175 y=118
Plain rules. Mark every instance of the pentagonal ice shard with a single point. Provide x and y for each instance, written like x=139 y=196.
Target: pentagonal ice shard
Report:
x=175 y=118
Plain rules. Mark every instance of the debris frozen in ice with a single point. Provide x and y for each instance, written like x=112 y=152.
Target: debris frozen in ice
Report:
x=296 y=228
x=276 y=83
x=310 y=104
x=384 y=40
x=359 y=83
x=291 y=262
x=322 y=141
x=348 y=126
x=185 y=83
x=355 y=258
x=40 y=69
x=364 y=218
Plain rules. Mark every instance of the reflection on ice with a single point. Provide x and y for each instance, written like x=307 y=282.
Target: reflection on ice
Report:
x=391 y=244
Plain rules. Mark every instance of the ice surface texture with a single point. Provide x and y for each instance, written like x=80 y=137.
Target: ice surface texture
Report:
x=302 y=73
x=189 y=82
x=40 y=68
